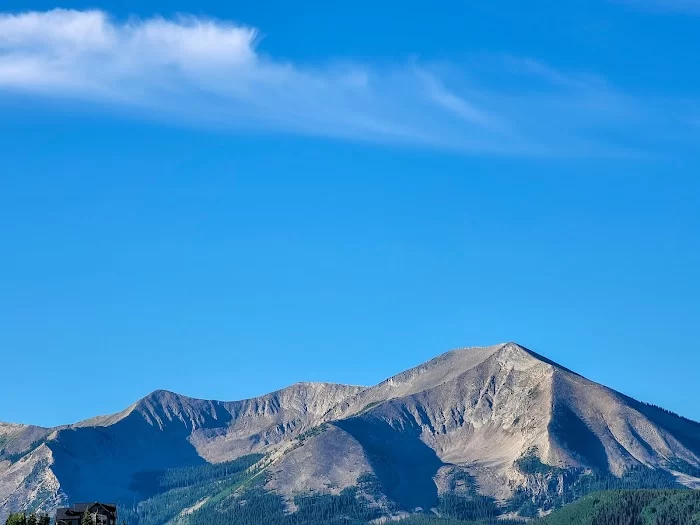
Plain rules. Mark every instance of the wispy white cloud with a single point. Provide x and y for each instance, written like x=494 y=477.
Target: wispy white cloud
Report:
x=209 y=72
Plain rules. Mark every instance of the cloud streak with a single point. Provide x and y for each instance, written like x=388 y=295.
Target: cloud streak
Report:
x=211 y=73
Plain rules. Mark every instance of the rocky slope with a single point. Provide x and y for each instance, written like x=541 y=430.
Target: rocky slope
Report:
x=101 y=458
x=474 y=419
x=476 y=413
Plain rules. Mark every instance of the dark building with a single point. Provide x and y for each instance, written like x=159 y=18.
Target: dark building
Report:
x=102 y=514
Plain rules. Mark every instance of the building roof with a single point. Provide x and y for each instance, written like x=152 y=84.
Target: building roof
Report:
x=77 y=509
x=63 y=514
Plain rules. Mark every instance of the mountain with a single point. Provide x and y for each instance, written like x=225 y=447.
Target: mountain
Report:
x=101 y=458
x=501 y=423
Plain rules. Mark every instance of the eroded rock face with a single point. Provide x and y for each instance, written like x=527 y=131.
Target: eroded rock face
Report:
x=461 y=421
x=100 y=458
x=474 y=413
x=259 y=424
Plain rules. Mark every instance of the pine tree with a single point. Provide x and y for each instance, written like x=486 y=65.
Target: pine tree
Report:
x=16 y=518
x=31 y=520
x=88 y=518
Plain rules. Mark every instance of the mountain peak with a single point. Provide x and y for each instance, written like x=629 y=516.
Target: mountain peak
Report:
x=537 y=356
x=508 y=350
x=159 y=396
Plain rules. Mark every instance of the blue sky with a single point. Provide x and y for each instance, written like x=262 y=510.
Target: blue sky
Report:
x=221 y=199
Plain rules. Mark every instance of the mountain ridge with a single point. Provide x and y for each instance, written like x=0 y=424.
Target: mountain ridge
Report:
x=471 y=413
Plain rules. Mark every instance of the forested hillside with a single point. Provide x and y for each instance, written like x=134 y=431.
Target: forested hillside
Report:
x=621 y=507
x=235 y=493
x=177 y=493
x=256 y=506
x=631 y=507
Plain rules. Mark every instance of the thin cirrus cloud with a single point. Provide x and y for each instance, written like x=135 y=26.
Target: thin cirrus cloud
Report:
x=206 y=72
